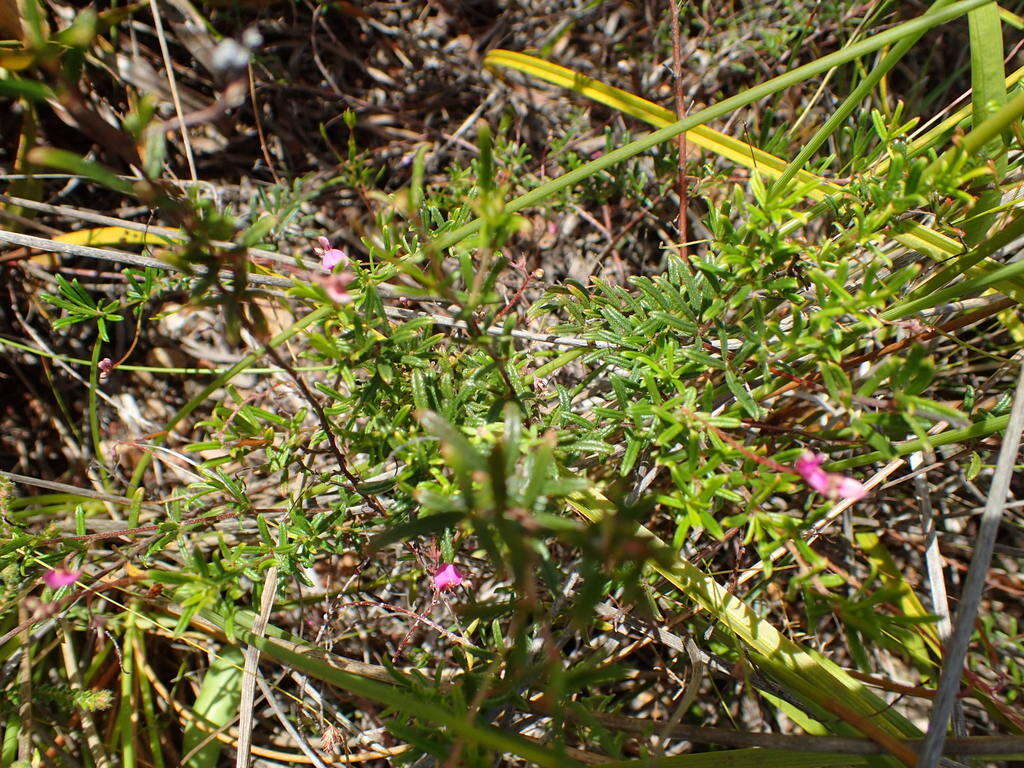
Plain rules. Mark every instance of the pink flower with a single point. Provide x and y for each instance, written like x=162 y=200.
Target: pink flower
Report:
x=336 y=285
x=808 y=466
x=330 y=257
x=447 y=577
x=829 y=484
x=106 y=365
x=60 y=577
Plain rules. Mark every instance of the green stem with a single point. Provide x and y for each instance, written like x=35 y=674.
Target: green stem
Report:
x=776 y=84
x=850 y=103
x=982 y=428
x=311 y=319
x=94 y=418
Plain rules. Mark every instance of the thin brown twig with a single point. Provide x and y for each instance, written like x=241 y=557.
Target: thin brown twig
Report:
x=325 y=423
x=172 y=81
x=259 y=127
x=677 y=74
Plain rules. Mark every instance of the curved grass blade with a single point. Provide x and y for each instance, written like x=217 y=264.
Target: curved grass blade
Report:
x=739 y=152
x=724 y=107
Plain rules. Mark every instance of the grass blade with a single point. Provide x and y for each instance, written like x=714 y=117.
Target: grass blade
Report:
x=217 y=703
x=722 y=108
x=988 y=82
x=804 y=672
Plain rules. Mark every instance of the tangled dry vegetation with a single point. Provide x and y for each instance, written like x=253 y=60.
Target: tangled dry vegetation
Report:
x=534 y=496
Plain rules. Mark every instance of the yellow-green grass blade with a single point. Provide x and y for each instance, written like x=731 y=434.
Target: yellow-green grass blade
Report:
x=739 y=152
x=802 y=671
x=217 y=705
x=1011 y=18
x=988 y=87
x=917 y=237
x=720 y=109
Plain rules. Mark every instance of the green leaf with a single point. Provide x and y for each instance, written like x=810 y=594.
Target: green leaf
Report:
x=15 y=88
x=216 y=705
x=988 y=95
x=78 y=165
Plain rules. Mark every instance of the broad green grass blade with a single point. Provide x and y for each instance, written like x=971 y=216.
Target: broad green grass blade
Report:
x=217 y=704
x=988 y=84
x=802 y=671
x=724 y=107
x=311 y=661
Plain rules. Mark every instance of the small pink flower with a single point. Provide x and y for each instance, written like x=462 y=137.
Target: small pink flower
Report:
x=848 y=488
x=106 y=365
x=447 y=577
x=336 y=285
x=330 y=257
x=808 y=466
x=829 y=484
x=60 y=577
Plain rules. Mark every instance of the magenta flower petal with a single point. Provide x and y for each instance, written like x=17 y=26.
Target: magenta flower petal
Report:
x=336 y=286
x=333 y=258
x=447 y=577
x=807 y=463
x=808 y=466
x=848 y=488
x=60 y=577
x=829 y=484
x=330 y=257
